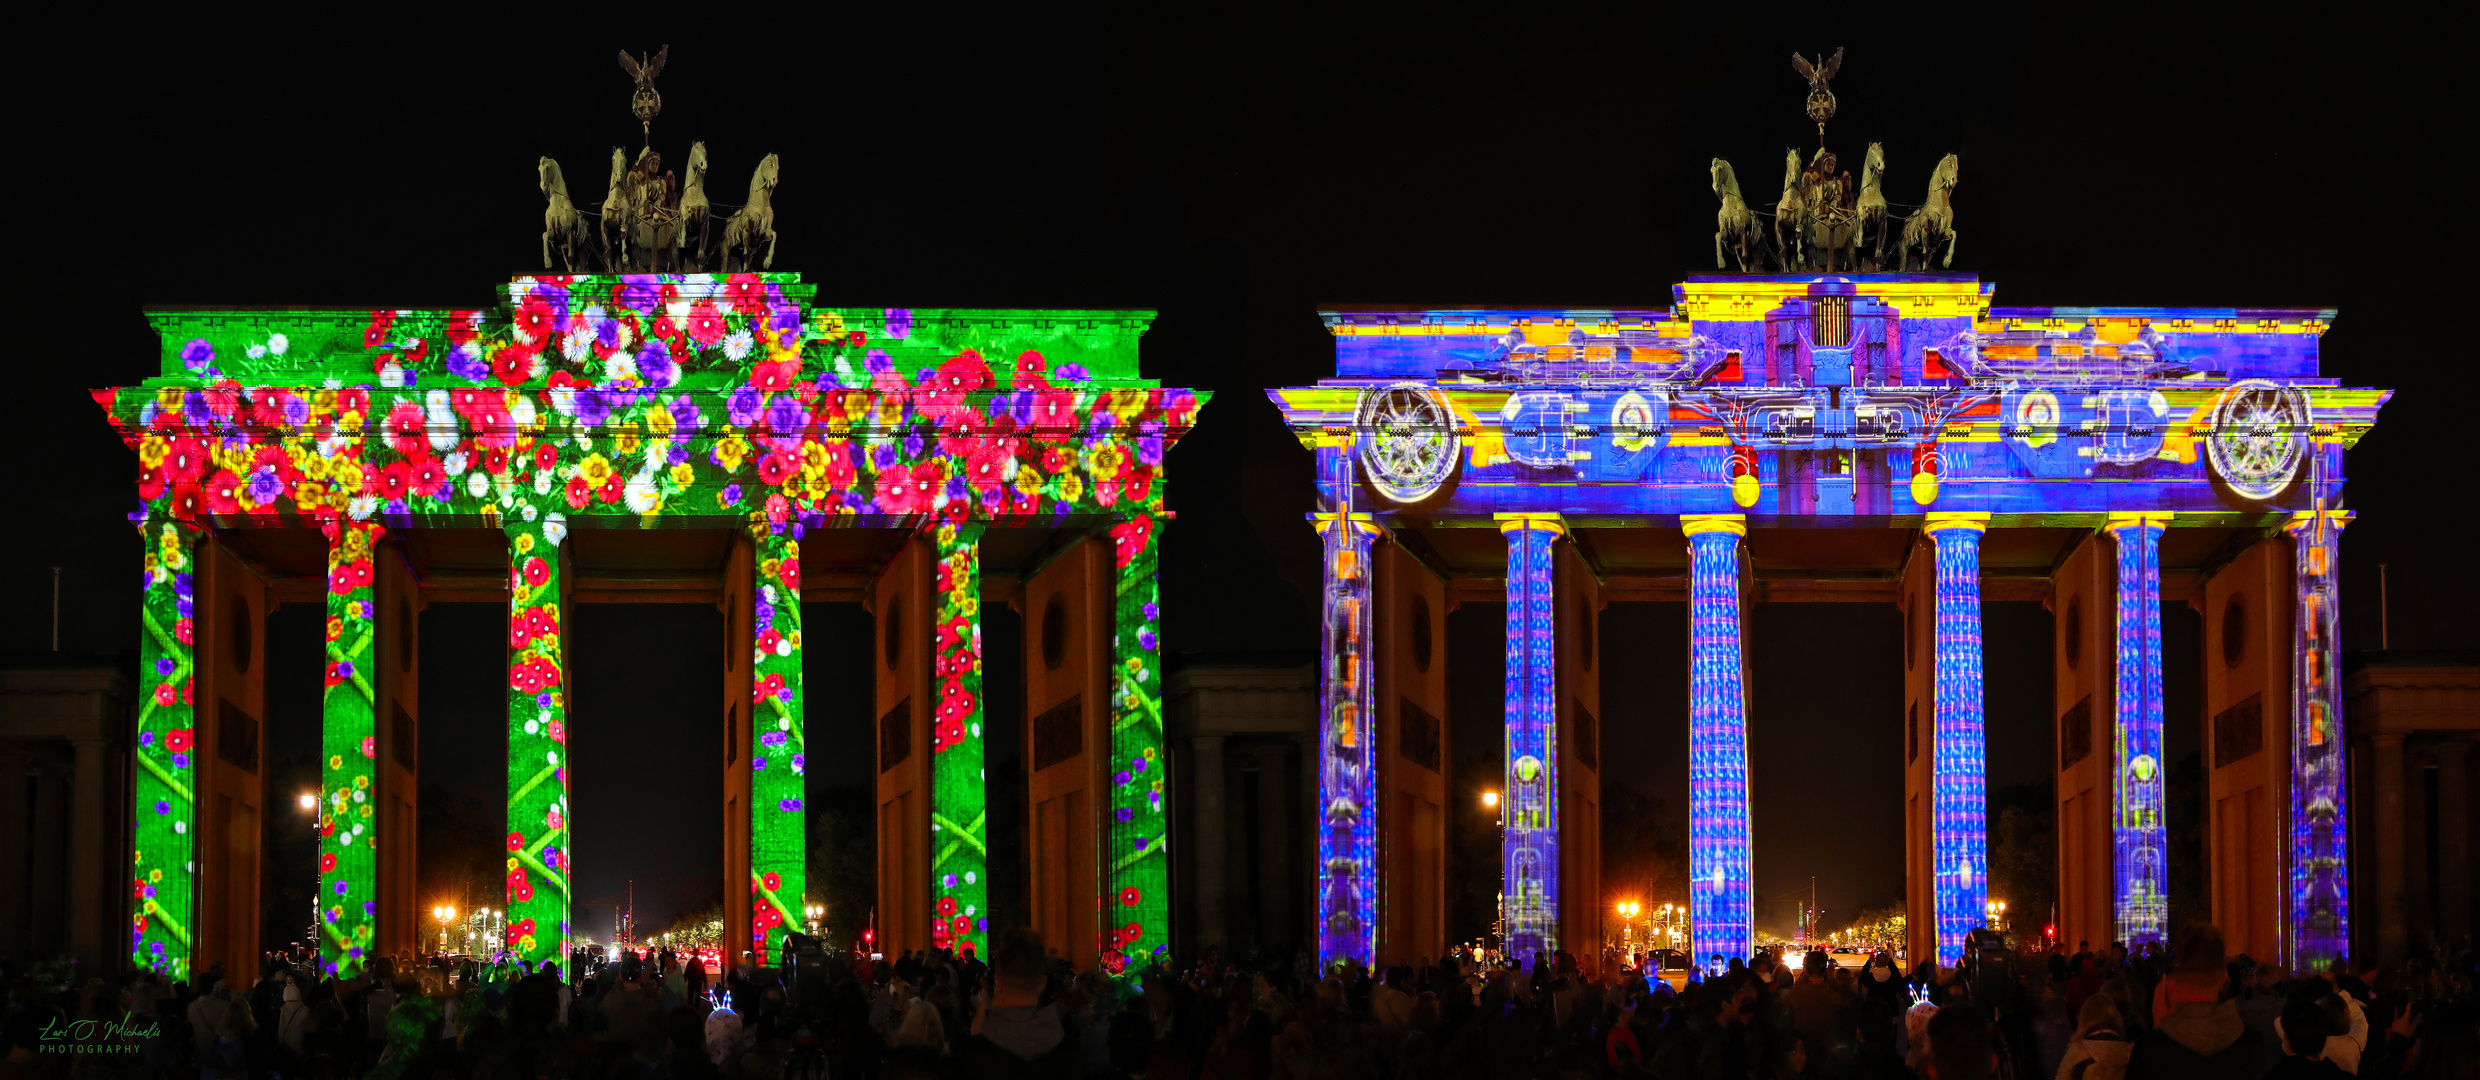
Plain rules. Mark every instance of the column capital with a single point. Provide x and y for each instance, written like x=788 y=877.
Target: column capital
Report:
x=1366 y=523
x=2305 y=519
x=2120 y=519
x=1549 y=523
x=1694 y=524
x=1941 y=520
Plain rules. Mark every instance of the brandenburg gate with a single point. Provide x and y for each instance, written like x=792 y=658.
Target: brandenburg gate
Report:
x=661 y=437
x=1806 y=436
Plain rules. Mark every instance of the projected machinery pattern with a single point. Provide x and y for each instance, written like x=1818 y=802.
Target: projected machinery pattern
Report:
x=1959 y=784
x=1875 y=400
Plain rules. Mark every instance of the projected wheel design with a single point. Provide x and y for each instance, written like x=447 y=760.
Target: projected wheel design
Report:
x=1408 y=442
x=2259 y=438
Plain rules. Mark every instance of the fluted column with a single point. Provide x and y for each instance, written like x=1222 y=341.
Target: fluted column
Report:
x=1959 y=768
x=1720 y=867
x=2320 y=882
x=539 y=827
x=1346 y=890
x=163 y=905
x=778 y=749
x=1137 y=864
x=2393 y=919
x=1529 y=838
x=959 y=817
x=2454 y=835
x=348 y=900
x=2139 y=826
x=1206 y=772
x=86 y=857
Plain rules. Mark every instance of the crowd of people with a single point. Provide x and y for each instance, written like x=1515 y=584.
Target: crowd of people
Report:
x=2189 y=1010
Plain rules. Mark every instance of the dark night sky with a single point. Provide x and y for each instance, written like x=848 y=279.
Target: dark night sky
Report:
x=1234 y=174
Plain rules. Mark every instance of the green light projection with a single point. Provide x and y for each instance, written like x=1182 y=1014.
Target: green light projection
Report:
x=164 y=875
x=538 y=826
x=645 y=399
x=348 y=804
x=960 y=890
x=778 y=755
x=1136 y=917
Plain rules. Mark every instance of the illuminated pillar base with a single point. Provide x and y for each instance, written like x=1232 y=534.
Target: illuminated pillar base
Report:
x=1346 y=875
x=1720 y=867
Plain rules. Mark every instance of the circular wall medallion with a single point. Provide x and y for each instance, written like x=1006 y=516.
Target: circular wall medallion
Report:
x=1054 y=633
x=2071 y=637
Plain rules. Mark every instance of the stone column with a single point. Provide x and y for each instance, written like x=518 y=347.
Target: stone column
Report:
x=1274 y=847
x=2453 y=839
x=777 y=746
x=86 y=857
x=1959 y=762
x=1529 y=833
x=1137 y=869
x=959 y=818
x=1345 y=900
x=539 y=826
x=1720 y=869
x=2141 y=882
x=16 y=834
x=2320 y=886
x=1206 y=773
x=164 y=909
x=348 y=900
x=2392 y=920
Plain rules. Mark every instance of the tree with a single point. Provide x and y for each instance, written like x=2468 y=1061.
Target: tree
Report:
x=2023 y=852
x=843 y=857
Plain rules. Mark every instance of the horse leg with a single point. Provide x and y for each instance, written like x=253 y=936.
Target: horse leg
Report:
x=770 y=251
x=1950 y=247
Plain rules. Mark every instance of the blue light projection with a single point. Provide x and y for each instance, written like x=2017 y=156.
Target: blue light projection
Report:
x=2138 y=825
x=1719 y=866
x=1347 y=835
x=1959 y=777
x=1529 y=840
x=2320 y=872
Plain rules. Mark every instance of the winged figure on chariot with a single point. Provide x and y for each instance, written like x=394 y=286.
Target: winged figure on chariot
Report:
x=649 y=215
x=1824 y=220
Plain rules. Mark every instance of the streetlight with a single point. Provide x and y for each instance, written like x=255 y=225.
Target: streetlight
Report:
x=443 y=912
x=815 y=913
x=310 y=806
x=1627 y=911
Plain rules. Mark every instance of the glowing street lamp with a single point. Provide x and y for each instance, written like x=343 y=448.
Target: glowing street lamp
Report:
x=443 y=913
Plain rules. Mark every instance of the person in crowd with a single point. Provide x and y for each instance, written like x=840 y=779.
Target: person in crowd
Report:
x=2196 y=1032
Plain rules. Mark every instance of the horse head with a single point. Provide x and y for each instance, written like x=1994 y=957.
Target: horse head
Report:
x=695 y=175
x=1873 y=165
x=1726 y=183
x=1948 y=170
x=1791 y=172
x=547 y=175
x=763 y=180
